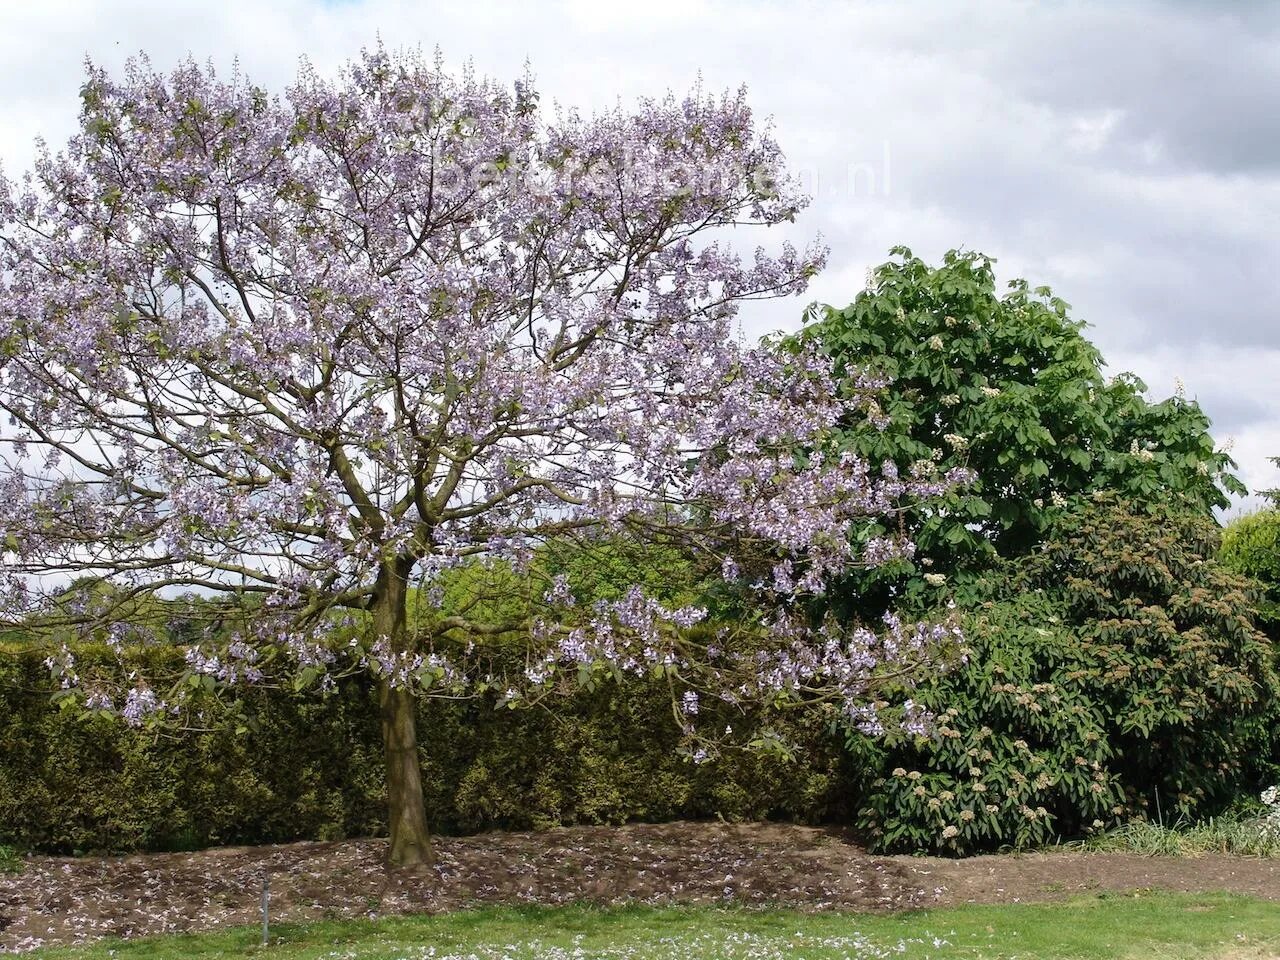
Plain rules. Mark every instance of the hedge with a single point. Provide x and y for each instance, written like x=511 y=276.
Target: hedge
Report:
x=311 y=768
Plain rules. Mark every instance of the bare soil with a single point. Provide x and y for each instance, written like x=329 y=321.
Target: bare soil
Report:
x=68 y=900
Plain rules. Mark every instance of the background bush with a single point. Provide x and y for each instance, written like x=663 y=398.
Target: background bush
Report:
x=1022 y=751
x=1251 y=546
x=1115 y=672
x=312 y=768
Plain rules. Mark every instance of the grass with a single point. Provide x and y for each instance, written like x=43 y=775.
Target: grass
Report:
x=1159 y=926
x=10 y=860
x=1233 y=834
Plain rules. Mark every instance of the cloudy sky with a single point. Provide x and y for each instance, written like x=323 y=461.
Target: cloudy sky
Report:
x=1127 y=154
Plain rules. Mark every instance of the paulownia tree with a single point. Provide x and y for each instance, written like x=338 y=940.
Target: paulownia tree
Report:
x=307 y=353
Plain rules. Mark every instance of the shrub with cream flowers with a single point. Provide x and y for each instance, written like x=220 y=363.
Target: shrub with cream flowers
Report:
x=1116 y=668
x=1270 y=819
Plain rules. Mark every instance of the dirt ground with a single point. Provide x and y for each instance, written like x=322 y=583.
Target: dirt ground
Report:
x=64 y=900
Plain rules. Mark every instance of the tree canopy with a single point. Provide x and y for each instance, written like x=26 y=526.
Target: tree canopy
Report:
x=310 y=352
x=1007 y=385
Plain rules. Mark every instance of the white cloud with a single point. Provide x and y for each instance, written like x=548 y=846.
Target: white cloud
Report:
x=1128 y=155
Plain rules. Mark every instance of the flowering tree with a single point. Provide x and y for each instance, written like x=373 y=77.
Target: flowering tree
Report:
x=306 y=353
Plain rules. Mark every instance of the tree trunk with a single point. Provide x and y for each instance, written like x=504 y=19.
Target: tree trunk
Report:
x=406 y=811
x=410 y=844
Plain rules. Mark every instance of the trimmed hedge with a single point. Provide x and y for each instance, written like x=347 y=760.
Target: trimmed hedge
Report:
x=313 y=768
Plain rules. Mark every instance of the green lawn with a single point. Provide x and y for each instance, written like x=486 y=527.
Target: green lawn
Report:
x=1148 y=926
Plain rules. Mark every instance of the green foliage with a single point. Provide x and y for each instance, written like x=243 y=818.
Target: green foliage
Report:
x=1115 y=672
x=1186 y=677
x=73 y=782
x=1272 y=495
x=311 y=767
x=595 y=569
x=10 y=859
x=1009 y=386
x=1233 y=834
x=1021 y=752
x=605 y=570
x=1251 y=546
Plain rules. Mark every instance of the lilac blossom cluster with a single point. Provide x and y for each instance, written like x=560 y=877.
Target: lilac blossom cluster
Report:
x=238 y=664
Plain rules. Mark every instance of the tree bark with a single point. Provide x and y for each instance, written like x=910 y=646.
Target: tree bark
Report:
x=406 y=811
x=410 y=844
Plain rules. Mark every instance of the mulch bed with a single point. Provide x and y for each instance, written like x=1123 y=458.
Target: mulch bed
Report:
x=59 y=900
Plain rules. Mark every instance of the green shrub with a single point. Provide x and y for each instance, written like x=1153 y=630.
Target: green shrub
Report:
x=1251 y=546
x=10 y=860
x=307 y=767
x=1020 y=752
x=1112 y=673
